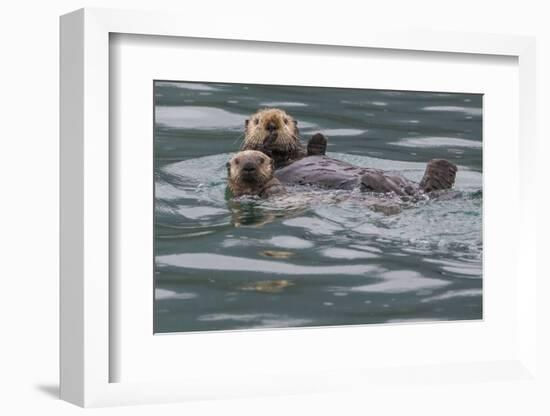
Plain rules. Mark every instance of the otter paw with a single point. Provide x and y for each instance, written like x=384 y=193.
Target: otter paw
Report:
x=440 y=174
x=317 y=145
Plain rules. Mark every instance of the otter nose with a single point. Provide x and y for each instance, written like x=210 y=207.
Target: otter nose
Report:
x=271 y=126
x=249 y=167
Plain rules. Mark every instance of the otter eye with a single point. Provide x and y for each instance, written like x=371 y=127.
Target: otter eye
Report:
x=236 y=161
x=285 y=120
x=262 y=160
x=256 y=121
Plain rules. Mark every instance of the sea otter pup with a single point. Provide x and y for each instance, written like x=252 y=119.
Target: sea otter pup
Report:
x=275 y=133
x=250 y=172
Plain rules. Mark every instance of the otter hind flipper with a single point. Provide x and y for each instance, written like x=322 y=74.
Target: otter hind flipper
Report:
x=317 y=145
x=440 y=174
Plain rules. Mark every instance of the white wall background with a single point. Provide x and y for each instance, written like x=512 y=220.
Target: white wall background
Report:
x=29 y=206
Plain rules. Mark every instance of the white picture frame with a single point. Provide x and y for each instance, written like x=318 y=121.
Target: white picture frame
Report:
x=85 y=211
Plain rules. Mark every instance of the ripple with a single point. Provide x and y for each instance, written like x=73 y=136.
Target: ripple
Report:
x=167 y=191
x=473 y=111
x=232 y=317
x=207 y=170
x=425 y=142
x=283 y=104
x=361 y=103
x=343 y=132
x=193 y=86
x=313 y=225
x=366 y=248
x=288 y=241
x=471 y=270
x=263 y=320
x=207 y=261
x=163 y=294
x=453 y=294
x=403 y=167
x=415 y=320
x=200 y=212
x=200 y=118
x=400 y=281
x=281 y=241
x=343 y=253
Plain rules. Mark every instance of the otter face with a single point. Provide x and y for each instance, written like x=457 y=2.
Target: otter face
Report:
x=271 y=125
x=248 y=171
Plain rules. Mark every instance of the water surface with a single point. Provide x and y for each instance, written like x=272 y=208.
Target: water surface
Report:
x=313 y=257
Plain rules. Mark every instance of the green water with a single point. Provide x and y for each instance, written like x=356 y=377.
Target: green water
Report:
x=339 y=262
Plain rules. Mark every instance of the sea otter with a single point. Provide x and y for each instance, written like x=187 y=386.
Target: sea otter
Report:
x=250 y=172
x=275 y=133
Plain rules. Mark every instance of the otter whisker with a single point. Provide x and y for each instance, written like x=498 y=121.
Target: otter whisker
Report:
x=241 y=137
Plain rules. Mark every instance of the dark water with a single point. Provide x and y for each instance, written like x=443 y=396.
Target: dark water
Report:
x=313 y=257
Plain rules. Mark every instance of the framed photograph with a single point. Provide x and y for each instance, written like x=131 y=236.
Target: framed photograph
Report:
x=272 y=214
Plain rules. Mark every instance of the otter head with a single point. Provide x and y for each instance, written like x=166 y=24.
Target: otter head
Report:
x=248 y=172
x=271 y=123
x=271 y=130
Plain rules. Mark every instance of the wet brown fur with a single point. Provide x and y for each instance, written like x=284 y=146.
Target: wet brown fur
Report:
x=275 y=133
x=259 y=181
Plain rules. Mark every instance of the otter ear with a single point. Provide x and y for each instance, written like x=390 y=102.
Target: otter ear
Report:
x=246 y=122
